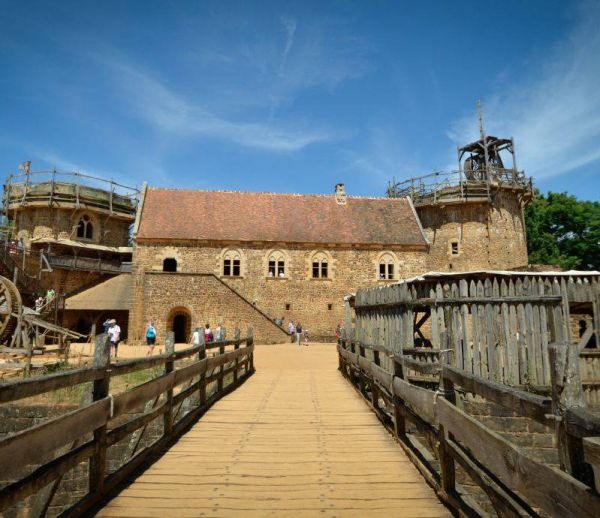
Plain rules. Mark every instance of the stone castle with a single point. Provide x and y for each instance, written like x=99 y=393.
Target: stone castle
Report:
x=246 y=259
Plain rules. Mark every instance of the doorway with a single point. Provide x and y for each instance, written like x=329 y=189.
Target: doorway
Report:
x=180 y=323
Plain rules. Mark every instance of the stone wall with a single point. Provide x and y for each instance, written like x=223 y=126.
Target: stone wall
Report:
x=487 y=236
x=202 y=298
x=47 y=222
x=316 y=303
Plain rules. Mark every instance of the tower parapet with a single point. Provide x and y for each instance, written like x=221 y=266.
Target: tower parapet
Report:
x=481 y=174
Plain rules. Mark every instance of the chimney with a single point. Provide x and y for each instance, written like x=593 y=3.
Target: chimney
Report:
x=340 y=194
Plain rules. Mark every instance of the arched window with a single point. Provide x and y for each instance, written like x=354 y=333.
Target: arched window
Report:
x=170 y=264
x=387 y=267
x=276 y=267
x=85 y=228
x=232 y=264
x=320 y=266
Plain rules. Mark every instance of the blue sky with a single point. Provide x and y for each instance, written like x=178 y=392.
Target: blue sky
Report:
x=297 y=96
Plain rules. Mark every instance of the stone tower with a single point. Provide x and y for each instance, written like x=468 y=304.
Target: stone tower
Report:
x=474 y=217
x=65 y=230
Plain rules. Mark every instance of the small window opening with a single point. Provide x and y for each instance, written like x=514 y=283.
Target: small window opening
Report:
x=276 y=268
x=232 y=265
x=287 y=307
x=329 y=307
x=454 y=248
x=85 y=228
x=320 y=268
x=386 y=269
x=170 y=264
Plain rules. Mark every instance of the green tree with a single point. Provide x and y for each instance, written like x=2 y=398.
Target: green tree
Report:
x=563 y=231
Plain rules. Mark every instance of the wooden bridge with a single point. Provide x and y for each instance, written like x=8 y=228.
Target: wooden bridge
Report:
x=296 y=437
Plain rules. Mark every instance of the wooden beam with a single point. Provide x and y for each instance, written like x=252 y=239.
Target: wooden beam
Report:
x=554 y=491
x=28 y=446
x=524 y=403
x=19 y=389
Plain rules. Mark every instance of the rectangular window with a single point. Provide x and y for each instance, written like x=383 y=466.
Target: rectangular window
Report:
x=227 y=267
x=390 y=272
x=382 y=270
x=315 y=270
x=324 y=270
x=287 y=307
x=271 y=268
x=281 y=269
x=454 y=248
x=329 y=307
x=236 y=268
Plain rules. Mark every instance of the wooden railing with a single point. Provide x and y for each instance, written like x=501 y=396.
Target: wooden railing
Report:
x=516 y=483
x=86 y=433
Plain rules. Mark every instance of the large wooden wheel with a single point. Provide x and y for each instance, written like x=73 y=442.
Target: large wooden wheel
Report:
x=11 y=308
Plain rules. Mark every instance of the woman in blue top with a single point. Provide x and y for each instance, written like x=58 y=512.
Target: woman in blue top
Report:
x=150 y=337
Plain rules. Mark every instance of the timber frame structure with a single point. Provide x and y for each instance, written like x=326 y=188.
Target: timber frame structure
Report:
x=481 y=173
x=69 y=190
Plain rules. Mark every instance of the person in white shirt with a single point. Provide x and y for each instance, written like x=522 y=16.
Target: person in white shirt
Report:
x=114 y=334
x=196 y=336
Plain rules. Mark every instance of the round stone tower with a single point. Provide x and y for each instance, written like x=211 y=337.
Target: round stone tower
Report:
x=473 y=218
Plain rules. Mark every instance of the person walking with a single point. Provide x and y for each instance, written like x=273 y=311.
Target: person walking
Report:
x=298 y=333
x=208 y=334
x=150 y=337
x=114 y=334
x=219 y=333
x=196 y=336
x=338 y=332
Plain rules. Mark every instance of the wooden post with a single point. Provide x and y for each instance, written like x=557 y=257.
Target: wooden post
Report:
x=169 y=364
x=236 y=347
x=249 y=342
x=567 y=393
x=221 y=351
x=202 y=379
x=447 y=468
x=26 y=341
x=97 y=464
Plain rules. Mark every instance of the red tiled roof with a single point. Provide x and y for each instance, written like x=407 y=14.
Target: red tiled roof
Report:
x=289 y=218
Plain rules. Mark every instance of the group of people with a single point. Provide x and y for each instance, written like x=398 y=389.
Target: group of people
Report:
x=209 y=336
x=298 y=332
x=41 y=301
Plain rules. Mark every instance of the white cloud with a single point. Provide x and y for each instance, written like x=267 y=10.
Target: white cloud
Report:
x=554 y=114
x=149 y=99
x=289 y=25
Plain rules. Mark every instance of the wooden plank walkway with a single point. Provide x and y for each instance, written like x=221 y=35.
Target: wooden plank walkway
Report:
x=294 y=440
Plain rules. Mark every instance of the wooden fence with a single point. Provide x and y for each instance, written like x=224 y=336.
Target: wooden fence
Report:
x=496 y=325
x=516 y=483
x=85 y=434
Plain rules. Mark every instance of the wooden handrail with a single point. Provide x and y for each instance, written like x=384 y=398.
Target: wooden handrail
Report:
x=516 y=483
x=34 y=445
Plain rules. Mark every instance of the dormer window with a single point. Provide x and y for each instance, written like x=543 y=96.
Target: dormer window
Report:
x=85 y=228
